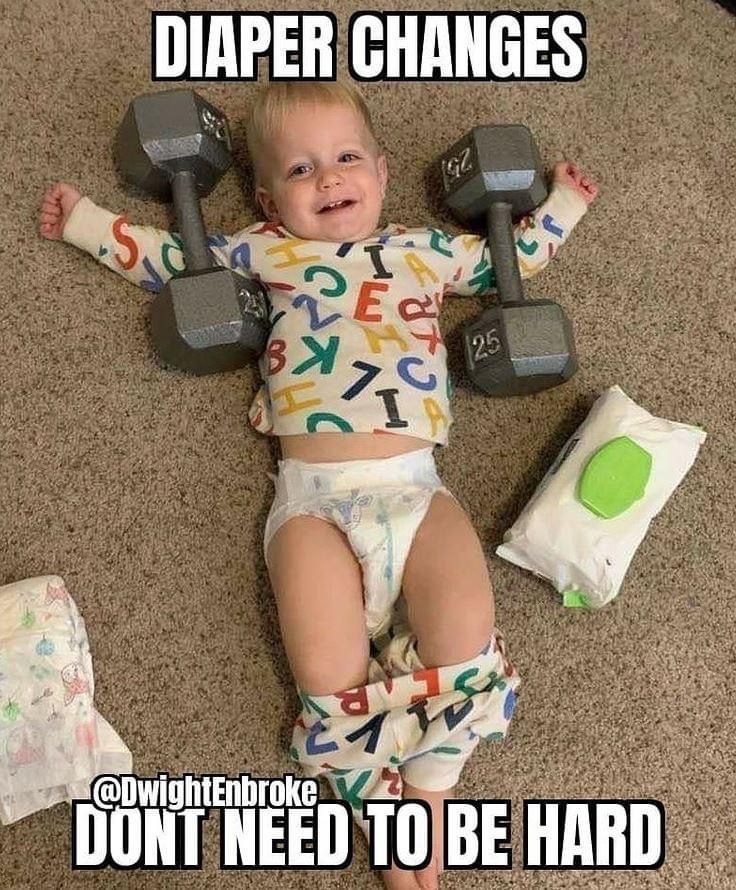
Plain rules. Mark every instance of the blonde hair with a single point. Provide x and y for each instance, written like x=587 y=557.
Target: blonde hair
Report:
x=274 y=102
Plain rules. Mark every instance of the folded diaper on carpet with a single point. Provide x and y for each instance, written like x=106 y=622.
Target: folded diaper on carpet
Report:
x=52 y=740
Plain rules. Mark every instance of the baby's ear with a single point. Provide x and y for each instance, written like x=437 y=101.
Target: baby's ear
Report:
x=268 y=205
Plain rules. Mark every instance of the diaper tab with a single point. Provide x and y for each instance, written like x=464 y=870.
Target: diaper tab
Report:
x=300 y=479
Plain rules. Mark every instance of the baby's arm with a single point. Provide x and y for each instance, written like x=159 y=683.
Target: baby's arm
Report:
x=538 y=235
x=144 y=255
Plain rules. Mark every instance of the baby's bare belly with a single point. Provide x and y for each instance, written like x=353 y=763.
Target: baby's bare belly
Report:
x=329 y=447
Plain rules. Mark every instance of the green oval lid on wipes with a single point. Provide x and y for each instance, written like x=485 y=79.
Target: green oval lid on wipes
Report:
x=615 y=477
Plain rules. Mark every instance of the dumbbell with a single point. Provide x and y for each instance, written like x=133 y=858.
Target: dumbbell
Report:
x=176 y=146
x=516 y=346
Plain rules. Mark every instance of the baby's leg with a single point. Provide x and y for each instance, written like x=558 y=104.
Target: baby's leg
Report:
x=447 y=587
x=450 y=608
x=318 y=587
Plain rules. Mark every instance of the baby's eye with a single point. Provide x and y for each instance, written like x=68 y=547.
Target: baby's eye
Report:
x=299 y=170
x=349 y=156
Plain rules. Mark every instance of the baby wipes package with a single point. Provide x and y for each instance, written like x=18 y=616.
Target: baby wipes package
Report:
x=590 y=512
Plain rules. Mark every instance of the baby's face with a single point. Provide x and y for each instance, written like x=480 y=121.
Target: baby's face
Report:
x=323 y=179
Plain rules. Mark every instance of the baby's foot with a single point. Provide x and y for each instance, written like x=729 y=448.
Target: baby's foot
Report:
x=428 y=878
x=396 y=878
x=566 y=173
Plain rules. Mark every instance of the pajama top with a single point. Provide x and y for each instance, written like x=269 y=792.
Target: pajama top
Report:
x=354 y=344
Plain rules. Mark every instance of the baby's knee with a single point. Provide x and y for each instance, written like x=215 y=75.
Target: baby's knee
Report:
x=461 y=632
x=468 y=639
x=328 y=672
x=472 y=606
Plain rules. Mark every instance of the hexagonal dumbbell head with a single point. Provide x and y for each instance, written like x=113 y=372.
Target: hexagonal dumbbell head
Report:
x=493 y=164
x=519 y=348
x=168 y=131
x=209 y=321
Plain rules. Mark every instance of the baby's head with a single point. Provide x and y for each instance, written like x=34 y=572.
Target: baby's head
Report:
x=318 y=169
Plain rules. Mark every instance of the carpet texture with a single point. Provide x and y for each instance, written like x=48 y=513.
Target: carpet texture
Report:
x=147 y=491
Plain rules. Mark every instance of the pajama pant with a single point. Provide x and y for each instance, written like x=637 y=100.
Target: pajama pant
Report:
x=425 y=721
x=408 y=723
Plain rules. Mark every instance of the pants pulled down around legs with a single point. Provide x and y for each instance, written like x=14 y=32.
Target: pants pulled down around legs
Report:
x=408 y=723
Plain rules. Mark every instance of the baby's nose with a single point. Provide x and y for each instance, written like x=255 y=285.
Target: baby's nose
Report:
x=329 y=177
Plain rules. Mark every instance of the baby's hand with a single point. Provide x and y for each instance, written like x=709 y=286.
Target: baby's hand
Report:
x=56 y=206
x=571 y=175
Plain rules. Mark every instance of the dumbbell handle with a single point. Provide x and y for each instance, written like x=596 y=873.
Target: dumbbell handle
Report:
x=191 y=224
x=502 y=246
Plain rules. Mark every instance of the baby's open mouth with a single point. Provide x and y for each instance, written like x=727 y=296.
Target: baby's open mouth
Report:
x=336 y=205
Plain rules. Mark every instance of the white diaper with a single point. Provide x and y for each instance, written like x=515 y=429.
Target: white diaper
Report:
x=52 y=740
x=379 y=505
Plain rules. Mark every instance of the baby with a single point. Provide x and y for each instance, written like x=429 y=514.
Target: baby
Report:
x=381 y=583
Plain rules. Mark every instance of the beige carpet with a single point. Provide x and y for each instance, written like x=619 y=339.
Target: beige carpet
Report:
x=147 y=491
